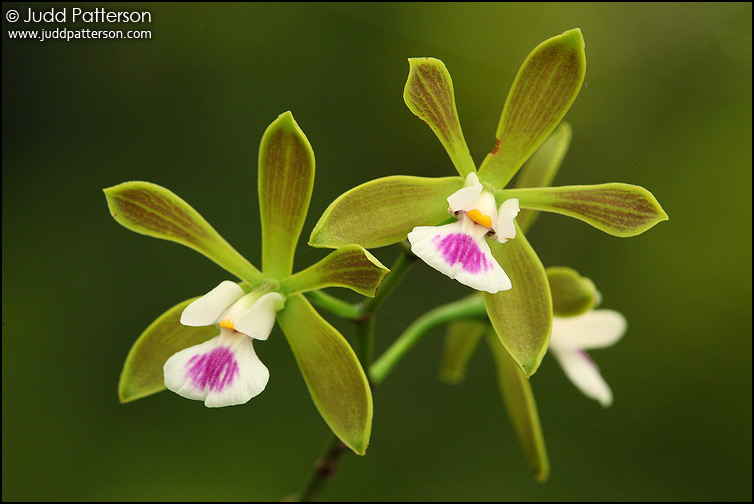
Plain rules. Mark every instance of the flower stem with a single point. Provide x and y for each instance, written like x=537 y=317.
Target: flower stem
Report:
x=399 y=268
x=324 y=469
x=334 y=305
x=366 y=343
x=472 y=306
x=366 y=323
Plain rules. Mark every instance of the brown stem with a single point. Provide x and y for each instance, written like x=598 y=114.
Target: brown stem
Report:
x=324 y=468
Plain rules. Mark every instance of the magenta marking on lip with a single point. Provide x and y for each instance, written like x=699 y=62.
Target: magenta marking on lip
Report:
x=216 y=369
x=586 y=356
x=462 y=248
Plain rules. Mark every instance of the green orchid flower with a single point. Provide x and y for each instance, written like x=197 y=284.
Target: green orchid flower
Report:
x=483 y=246
x=182 y=349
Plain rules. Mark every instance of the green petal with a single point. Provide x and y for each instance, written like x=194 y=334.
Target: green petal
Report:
x=429 y=95
x=522 y=316
x=350 y=266
x=572 y=294
x=332 y=372
x=617 y=209
x=383 y=211
x=542 y=93
x=522 y=409
x=286 y=178
x=152 y=210
x=460 y=342
x=142 y=372
x=541 y=168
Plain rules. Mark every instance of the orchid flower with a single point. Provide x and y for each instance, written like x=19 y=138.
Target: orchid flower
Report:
x=224 y=370
x=459 y=249
x=182 y=350
x=571 y=336
x=512 y=277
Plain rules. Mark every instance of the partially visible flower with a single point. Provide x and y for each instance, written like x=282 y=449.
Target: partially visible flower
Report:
x=459 y=249
x=224 y=370
x=571 y=336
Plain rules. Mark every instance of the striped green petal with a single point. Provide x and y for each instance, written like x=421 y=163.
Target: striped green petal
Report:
x=617 y=209
x=429 y=95
x=152 y=210
x=286 y=179
x=383 y=211
x=461 y=340
x=522 y=409
x=546 y=85
x=351 y=266
x=332 y=373
x=522 y=316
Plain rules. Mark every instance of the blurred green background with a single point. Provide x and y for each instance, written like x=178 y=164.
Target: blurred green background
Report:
x=666 y=104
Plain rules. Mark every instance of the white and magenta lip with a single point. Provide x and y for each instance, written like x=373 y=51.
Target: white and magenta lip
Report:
x=459 y=249
x=226 y=369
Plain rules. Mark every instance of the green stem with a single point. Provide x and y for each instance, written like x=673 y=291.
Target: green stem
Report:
x=472 y=306
x=334 y=305
x=368 y=308
x=324 y=469
x=397 y=270
x=366 y=342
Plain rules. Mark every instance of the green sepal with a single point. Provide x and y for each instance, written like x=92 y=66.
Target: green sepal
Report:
x=522 y=316
x=541 y=168
x=142 y=373
x=522 y=409
x=429 y=95
x=461 y=339
x=383 y=211
x=286 y=179
x=152 y=210
x=543 y=91
x=572 y=294
x=617 y=209
x=351 y=266
x=333 y=375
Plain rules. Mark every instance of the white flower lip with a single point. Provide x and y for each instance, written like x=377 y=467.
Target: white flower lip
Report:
x=571 y=336
x=593 y=329
x=453 y=250
x=225 y=370
x=459 y=249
